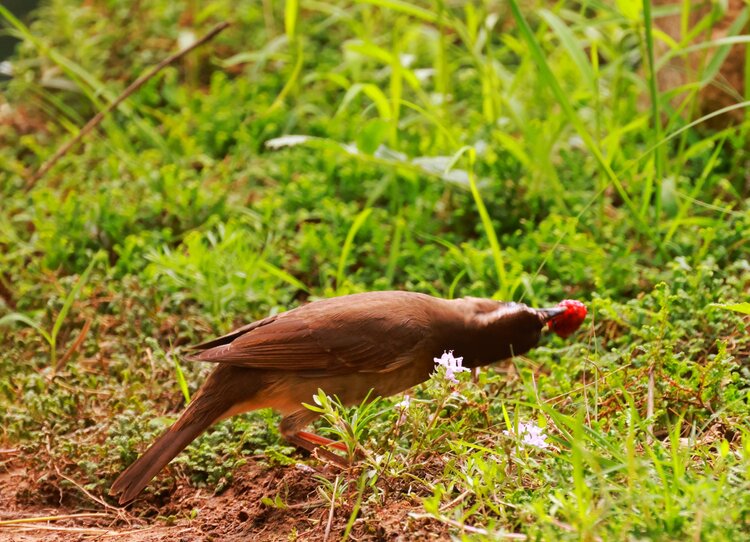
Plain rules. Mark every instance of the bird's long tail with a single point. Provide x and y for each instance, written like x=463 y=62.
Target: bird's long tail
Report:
x=211 y=404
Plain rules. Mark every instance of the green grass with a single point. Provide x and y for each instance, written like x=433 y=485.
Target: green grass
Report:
x=486 y=149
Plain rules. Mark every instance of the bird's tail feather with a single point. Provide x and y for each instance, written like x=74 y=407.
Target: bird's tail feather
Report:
x=203 y=411
x=137 y=476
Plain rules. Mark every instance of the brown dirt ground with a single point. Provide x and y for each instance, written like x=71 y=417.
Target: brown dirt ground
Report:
x=234 y=515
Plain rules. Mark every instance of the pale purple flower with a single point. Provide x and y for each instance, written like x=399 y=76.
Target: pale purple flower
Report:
x=404 y=403
x=530 y=434
x=403 y=406
x=452 y=365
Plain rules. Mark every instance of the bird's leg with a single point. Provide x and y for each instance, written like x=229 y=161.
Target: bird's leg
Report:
x=322 y=441
x=290 y=430
x=317 y=449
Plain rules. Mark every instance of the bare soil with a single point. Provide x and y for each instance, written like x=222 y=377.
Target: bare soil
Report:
x=192 y=514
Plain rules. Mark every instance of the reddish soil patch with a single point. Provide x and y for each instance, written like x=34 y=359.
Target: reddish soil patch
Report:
x=300 y=513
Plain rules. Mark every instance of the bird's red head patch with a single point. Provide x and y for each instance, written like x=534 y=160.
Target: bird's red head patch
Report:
x=566 y=323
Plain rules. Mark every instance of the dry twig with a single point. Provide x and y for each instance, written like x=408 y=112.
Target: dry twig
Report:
x=19 y=521
x=469 y=528
x=75 y=346
x=135 y=85
x=331 y=510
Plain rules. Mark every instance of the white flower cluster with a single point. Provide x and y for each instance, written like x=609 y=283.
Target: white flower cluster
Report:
x=452 y=365
x=530 y=434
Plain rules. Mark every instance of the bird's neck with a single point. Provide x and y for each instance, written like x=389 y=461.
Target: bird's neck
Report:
x=483 y=343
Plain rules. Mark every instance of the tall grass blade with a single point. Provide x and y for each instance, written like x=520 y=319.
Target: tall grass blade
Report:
x=359 y=220
x=72 y=296
x=656 y=129
x=550 y=80
x=573 y=48
x=283 y=275
x=503 y=292
x=181 y=381
x=742 y=308
x=407 y=8
x=23 y=319
x=291 y=13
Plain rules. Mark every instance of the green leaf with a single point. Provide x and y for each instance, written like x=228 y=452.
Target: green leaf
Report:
x=631 y=9
x=371 y=91
x=72 y=297
x=722 y=52
x=743 y=308
x=23 y=319
x=356 y=225
x=372 y=135
x=181 y=380
x=407 y=8
x=573 y=47
x=291 y=12
x=283 y=275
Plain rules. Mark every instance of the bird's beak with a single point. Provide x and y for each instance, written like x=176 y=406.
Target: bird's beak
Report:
x=549 y=314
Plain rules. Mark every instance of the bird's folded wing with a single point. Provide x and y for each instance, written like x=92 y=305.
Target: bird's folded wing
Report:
x=335 y=344
x=229 y=337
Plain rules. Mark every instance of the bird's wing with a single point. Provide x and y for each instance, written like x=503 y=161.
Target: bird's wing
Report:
x=323 y=338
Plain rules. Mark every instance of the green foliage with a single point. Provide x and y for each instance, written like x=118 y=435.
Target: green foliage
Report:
x=223 y=269
x=52 y=335
x=324 y=148
x=349 y=426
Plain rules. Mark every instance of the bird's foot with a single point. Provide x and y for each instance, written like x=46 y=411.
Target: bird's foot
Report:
x=315 y=444
x=322 y=441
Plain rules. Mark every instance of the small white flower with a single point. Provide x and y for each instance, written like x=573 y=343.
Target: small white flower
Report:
x=404 y=403
x=185 y=39
x=530 y=434
x=406 y=59
x=403 y=406
x=452 y=365
x=576 y=142
x=286 y=141
x=6 y=68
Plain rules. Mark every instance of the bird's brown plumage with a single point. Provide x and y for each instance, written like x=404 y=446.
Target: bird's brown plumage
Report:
x=346 y=346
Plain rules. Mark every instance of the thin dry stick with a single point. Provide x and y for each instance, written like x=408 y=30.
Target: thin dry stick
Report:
x=119 y=511
x=454 y=502
x=76 y=530
x=469 y=528
x=76 y=345
x=51 y=518
x=99 y=533
x=580 y=388
x=135 y=85
x=650 y=402
x=332 y=509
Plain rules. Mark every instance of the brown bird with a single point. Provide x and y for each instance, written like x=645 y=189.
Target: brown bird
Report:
x=380 y=341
